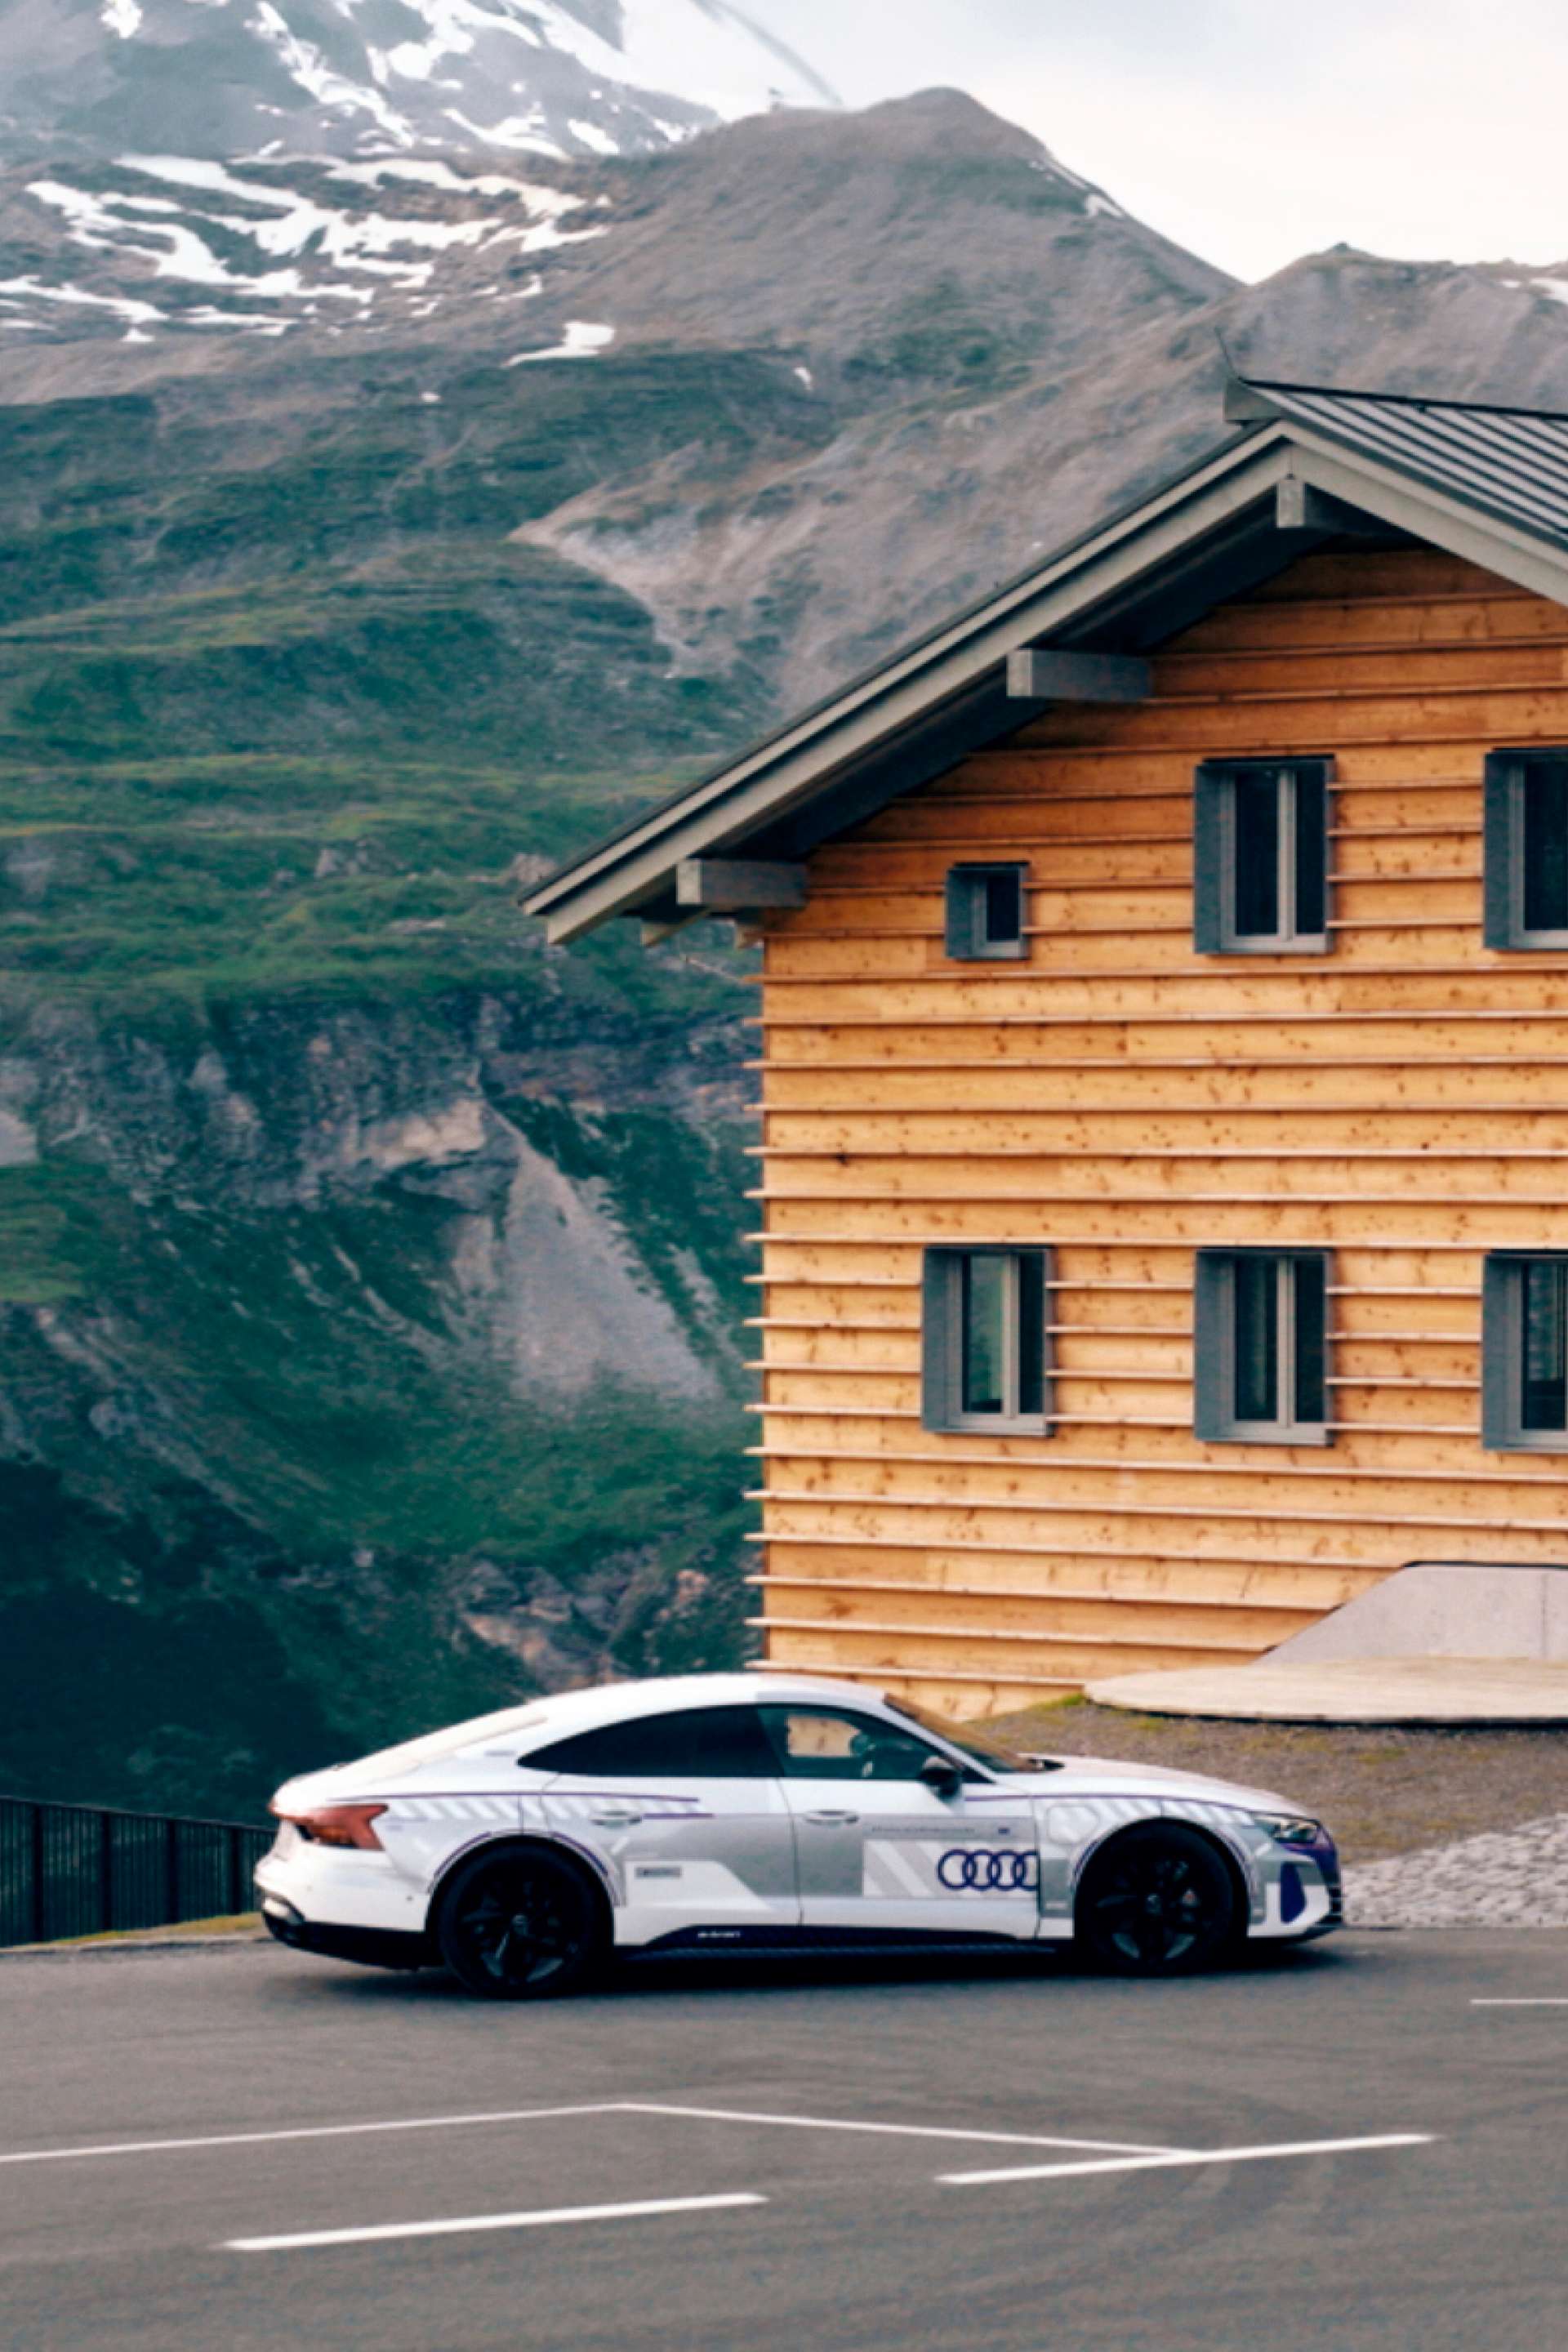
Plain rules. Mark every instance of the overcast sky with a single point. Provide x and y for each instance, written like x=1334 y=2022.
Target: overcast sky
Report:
x=1255 y=130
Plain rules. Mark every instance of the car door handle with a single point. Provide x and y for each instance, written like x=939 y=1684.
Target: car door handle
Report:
x=830 y=1816
x=616 y=1817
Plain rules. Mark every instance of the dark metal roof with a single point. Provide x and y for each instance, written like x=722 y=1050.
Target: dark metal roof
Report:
x=1510 y=462
x=1489 y=483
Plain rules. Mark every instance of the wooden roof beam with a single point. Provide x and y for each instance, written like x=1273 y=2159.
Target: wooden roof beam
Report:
x=733 y=885
x=1037 y=675
x=1297 y=506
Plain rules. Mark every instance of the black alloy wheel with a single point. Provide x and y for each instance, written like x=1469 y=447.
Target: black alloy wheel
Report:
x=521 y=1925
x=1159 y=1902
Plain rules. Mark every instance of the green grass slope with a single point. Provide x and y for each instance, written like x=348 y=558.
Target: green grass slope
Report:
x=279 y=744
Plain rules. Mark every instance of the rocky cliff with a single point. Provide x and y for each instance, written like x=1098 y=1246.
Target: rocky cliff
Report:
x=361 y=1359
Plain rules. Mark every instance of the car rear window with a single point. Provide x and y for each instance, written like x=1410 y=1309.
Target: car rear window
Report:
x=712 y=1743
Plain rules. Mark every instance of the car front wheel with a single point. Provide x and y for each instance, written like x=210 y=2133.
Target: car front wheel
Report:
x=1159 y=1902
x=520 y=1925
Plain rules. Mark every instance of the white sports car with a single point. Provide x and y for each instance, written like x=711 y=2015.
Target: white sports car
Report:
x=764 y=1811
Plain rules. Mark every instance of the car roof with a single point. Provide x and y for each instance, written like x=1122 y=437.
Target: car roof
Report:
x=535 y=1722
x=581 y=1710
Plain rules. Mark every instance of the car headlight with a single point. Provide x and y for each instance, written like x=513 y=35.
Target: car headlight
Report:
x=1291 y=1829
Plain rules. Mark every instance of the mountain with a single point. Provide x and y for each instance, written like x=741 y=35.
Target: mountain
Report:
x=373 y=528
x=221 y=78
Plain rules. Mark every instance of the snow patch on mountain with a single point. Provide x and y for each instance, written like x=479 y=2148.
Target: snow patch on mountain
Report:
x=126 y=306
x=277 y=241
x=308 y=67
x=581 y=340
x=558 y=78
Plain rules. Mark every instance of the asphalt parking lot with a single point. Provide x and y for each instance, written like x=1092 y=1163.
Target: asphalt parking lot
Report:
x=228 y=2147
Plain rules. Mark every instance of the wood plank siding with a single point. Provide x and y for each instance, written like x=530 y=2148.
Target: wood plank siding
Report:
x=1402 y=1101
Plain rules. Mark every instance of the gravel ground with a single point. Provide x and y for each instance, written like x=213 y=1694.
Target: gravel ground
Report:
x=1511 y=1878
x=1438 y=1829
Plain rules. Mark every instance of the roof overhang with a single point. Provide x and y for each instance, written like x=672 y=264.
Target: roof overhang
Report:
x=1152 y=570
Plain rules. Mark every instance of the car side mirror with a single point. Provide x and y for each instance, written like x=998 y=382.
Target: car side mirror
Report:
x=942 y=1775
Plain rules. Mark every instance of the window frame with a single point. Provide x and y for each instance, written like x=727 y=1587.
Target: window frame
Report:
x=941 y=1338
x=1502 y=1355
x=963 y=909
x=1214 y=1418
x=1503 y=926
x=1215 y=871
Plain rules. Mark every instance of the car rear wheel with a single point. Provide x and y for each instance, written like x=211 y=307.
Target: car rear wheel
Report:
x=1159 y=1902
x=521 y=1925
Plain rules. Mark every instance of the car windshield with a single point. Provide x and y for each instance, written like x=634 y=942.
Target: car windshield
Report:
x=993 y=1753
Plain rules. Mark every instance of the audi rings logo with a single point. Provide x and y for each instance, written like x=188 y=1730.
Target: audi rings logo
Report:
x=974 y=1869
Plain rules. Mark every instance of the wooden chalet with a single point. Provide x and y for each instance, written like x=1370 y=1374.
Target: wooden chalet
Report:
x=1163 y=1194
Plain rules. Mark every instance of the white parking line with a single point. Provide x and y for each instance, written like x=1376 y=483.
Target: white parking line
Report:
x=900 y=2131
x=543 y=2219
x=542 y=2115
x=1185 y=2155
x=307 y=2131
x=1533 y=2000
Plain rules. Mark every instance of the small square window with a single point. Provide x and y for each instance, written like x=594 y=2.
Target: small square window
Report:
x=983 y=1352
x=1261 y=857
x=985 y=911
x=1261 y=1346
x=1524 y=1353
x=1527 y=849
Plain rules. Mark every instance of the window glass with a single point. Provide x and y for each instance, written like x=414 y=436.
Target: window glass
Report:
x=1256 y=1293
x=1031 y=1335
x=1309 y=1278
x=1543 y=1331
x=1260 y=857
x=1546 y=846
x=983 y=1340
x=1002 y=902
x=1261 y=1346
x=1311 y=852
x=1257 y=806
x=821 y=1744
x=984 y=1284
x=986 y=908
x=716 y=1743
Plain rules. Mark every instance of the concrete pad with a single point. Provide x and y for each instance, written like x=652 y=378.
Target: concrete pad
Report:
x=1352 y=1690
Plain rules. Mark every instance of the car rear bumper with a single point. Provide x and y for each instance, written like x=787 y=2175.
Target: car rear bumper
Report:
x=376 y=1947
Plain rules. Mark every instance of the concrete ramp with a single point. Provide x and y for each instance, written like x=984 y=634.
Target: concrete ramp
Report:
x=1437 y=1643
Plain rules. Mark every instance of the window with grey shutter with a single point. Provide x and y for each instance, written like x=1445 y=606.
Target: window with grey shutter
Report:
x=1526 y=849
x=986 y=912
x=984 y=1345
x=1261 y=1346
x=1260 y=857
x=1524 y=1353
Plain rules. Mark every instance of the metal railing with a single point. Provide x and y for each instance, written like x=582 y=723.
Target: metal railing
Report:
x=82 y=1870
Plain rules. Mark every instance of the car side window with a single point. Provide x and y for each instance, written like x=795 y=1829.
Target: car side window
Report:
x=816 y=1743
x=709 y=1743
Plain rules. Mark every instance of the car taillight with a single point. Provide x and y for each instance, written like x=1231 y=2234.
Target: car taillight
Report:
x=339 y=1825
